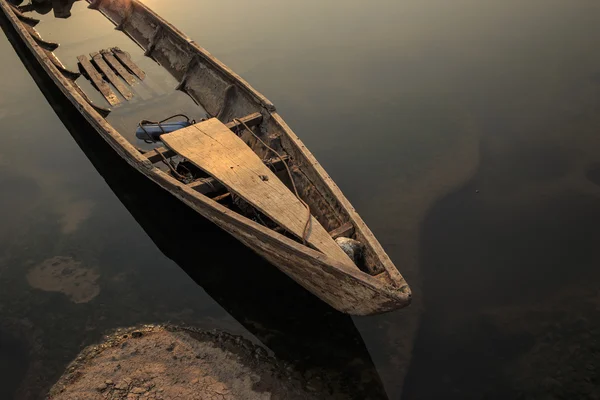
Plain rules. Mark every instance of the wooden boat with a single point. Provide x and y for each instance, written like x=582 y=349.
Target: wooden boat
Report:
x=247 y=172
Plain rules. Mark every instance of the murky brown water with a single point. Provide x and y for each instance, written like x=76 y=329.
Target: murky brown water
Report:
x=412 y=107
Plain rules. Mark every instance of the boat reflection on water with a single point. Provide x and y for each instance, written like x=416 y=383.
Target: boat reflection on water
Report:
x=62 y=8
x=299 y=328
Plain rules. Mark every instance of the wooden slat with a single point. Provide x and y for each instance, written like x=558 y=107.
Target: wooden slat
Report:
x=117 y=66
x=154 y=157
x=126 y=61
x=212 y=147
x=346 y=230
x=111 y=76
x=97 y=80
x=206 y=185
x=250 y=120
x=222 y=197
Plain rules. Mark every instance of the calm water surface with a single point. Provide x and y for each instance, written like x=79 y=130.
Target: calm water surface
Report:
x=466 y=133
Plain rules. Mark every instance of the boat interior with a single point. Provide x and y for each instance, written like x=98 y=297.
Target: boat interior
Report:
x=196 y=120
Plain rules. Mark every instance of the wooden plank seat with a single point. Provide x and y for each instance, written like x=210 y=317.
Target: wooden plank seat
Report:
x=214 y=148
x=250 y=121
x=209 y=185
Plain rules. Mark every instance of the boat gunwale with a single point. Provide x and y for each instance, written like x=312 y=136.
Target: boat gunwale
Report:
x=398 y=293
x=199 y=50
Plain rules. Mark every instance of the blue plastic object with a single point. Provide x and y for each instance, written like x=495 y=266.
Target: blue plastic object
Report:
x=154 y=130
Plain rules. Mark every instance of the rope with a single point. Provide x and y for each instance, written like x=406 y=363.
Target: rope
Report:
x=168 y=164
x=146 y=122
x=152 y=140
x=307 y=226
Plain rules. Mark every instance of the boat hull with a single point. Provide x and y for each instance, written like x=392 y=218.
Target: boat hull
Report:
x=342 y=287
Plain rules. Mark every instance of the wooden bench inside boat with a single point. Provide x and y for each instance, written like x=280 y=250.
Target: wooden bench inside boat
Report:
x=214 y=148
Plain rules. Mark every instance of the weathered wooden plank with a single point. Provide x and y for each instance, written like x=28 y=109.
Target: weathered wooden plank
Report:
x=154 y=157
x=126 y=61
x=222 y=197
x=345 y=230
x=205 y=185
x=97 y=80
x=111 y=76
x=208 y=185
x=212 y=147
x=117 y=66
x=250 y=120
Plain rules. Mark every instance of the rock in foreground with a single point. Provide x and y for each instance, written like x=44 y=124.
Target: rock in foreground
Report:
x=160 y=362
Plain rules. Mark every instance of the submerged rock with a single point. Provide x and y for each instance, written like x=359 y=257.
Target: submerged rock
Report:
x=65 y=275
x=165 y=362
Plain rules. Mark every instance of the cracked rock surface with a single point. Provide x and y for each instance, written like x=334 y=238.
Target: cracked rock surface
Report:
x=166 y=362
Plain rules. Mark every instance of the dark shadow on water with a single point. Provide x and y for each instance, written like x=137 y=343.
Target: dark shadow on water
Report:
x=294 y=324
x=506 y=295
x=61 y=8
x=593 y=174
x=13 y=363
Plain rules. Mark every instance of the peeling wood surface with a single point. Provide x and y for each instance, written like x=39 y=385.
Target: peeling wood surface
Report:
x=212 y=147
x=111 y=76
x=153 y=40
x=97 y=80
